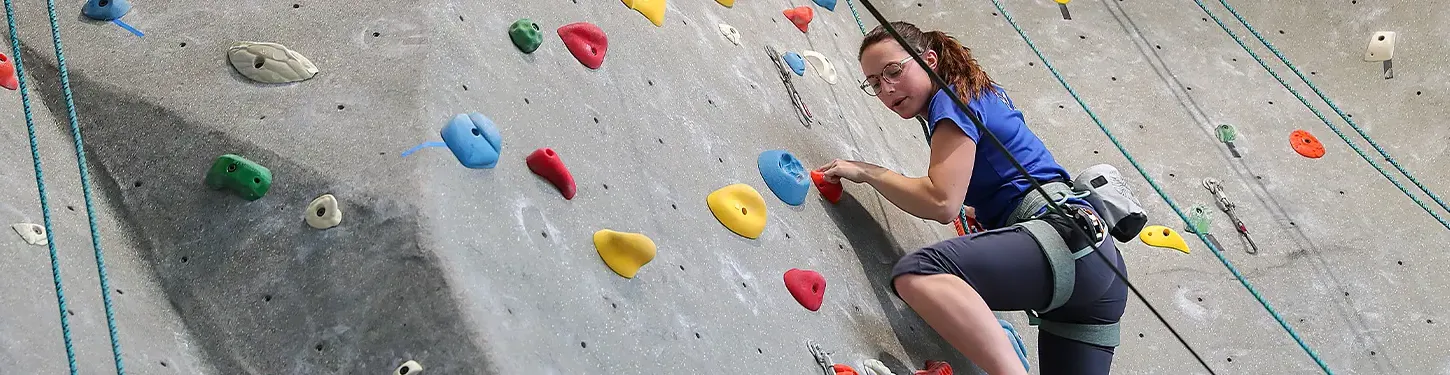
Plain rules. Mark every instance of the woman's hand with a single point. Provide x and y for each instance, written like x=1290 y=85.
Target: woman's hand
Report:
x=844 y=169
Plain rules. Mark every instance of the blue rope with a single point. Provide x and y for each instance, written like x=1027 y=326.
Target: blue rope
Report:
x=857 y=15
x=85 y=183
x=1161 y=193
x=1341 y=113
x=70 y=353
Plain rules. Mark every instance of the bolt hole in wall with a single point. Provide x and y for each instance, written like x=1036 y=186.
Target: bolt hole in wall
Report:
x=295 y=6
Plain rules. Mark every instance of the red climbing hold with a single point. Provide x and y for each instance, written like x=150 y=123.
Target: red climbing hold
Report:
x=808 y=287
x=544 y=162
x=586 y=41
x=1306 y=144
x=844 y=370
x=830 y=191
x=800 y=16
x=936 y=368
x=7 y=73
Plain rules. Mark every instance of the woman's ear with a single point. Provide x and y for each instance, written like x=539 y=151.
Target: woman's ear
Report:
x=931 y=58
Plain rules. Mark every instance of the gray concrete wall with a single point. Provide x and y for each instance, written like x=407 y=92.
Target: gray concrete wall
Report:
x=490 y=271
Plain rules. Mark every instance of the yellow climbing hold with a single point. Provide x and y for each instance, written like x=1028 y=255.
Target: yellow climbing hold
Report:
x=740 y=208
x=726 y=3
x=624 y=252
x=1161 y=236
x=1062 y=1
x=654 y=10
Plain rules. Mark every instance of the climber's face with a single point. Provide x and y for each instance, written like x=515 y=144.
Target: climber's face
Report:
x=896 y=79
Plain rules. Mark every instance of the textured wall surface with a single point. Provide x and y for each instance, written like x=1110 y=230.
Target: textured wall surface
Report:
x=491 y=271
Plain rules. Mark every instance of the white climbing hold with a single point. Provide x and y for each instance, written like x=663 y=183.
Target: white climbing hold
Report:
x=730 y=33
x=33 y=234
x=1381 y=47
x=822 y=65
x=323 y=213
x=270 y=62
x=875 y=367
x=409 y=368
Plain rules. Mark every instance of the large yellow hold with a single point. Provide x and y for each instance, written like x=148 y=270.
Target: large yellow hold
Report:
x=1161 y=236
x=654 y=10
x=740 y=208
x=624 y=252
x=726 y=3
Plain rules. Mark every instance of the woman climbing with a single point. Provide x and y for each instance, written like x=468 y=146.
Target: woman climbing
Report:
x=1016 y=264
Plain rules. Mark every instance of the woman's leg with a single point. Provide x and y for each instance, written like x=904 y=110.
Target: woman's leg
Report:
x=1100 y=299
x=956 y=284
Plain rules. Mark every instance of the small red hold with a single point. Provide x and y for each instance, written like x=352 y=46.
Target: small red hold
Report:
x=7 y=73
x=544 y=162
x=800 y=16
x=844 y=369
x=936 y=368
x=586 y=41
x=830 y=191
x=808 y=287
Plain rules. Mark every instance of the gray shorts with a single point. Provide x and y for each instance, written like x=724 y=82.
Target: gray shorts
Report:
x=1009 y=270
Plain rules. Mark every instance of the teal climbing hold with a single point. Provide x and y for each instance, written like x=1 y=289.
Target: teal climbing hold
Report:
x=526 y=35
x=106 y=10
x=785 y=176
x=243 y=177
x=828 y=4
x=797 y=64
x=474 y=140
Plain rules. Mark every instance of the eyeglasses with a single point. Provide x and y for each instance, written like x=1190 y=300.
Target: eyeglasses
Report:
x=889 y=73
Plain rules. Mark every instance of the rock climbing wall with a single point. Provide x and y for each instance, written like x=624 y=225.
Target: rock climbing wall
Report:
x=491 y=270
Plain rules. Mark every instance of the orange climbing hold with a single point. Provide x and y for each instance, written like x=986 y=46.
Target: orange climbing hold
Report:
x=7 y=73
x=936 y=368
x=800 y=16
x=844 y=369
x=1305 y=144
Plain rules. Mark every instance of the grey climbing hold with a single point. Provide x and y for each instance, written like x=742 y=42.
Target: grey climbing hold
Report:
x=323 y=213
x=730 y=33
x=875 y=367
x=409 y=368
x=33 y=234
x=822 y=65
x=270 y=62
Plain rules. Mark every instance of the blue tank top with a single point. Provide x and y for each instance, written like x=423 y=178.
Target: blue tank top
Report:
x=997 y=186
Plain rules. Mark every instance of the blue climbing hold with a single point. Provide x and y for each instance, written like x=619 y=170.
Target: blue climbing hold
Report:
x=474 y=140
x=796 y=63
x=828 y=4
x=106 y=10
x=785 y=176
x=1016 y=343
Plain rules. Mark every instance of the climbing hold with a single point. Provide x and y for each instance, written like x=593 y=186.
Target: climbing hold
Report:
x=1198 y=219
x=323 y=213
x=823 y=66
x=1227 y=134
x=828 y=4
x=1165 y=237
x=784 y=176
x=936 y=368
x=525 y=34
x=270 y=62
x=726 y=3
x=796 y=63
x=1381 y=47
x=800 y=16
x=730 y=33
x=7 y=73
x=830 y=191
x=545 y=163
x=740 y=208
x=654 y=10
x=808 y=287
x=106 y=10
x=1063 y=1
x=624 y=252
x=474 y=140
x=875 y=367
x=241 y=176
x=841 y=369
x=33 y=234
x=1017 y=344
x=586 y=42
x=409 y=368
x=1306 y=144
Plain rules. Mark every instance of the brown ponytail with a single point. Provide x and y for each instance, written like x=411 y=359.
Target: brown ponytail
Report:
x=954 y=62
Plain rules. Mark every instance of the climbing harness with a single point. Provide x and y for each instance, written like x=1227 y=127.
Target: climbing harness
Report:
x=1215 y=188
x=85 y=186
x=802 y=112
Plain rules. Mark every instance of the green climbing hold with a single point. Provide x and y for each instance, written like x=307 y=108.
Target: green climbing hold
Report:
x=1198 y=219
x=526 y=35
x=244 y=177
x=1227 y=133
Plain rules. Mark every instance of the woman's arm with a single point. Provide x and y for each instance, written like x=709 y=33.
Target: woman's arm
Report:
x=936 y=196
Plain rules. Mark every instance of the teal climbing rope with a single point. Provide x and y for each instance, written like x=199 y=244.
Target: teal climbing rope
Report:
x=857 y=16
x=1326 y=99
x=70 y=353
x=85 y=184
x=1201 y=236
